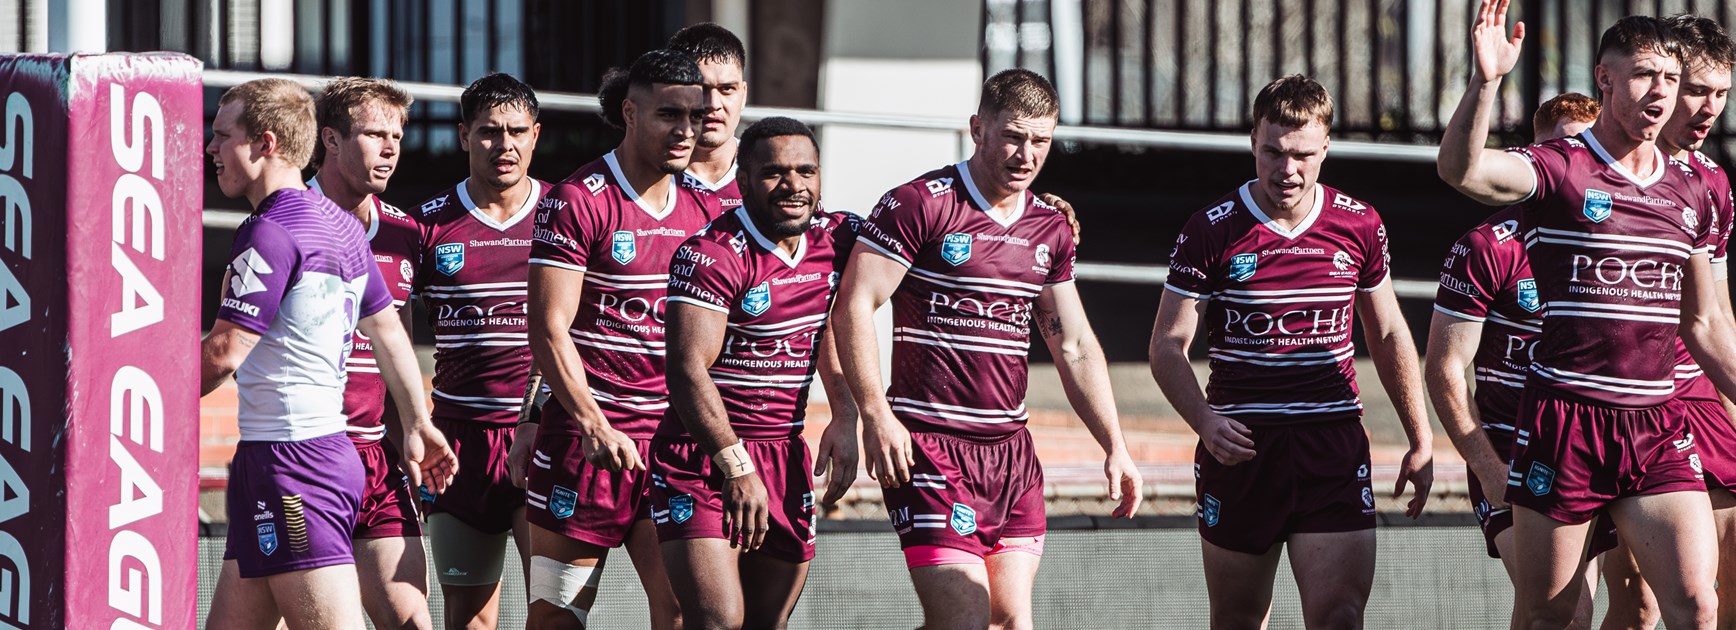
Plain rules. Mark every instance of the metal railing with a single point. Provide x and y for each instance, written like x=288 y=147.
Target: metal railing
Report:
x=1087 y=271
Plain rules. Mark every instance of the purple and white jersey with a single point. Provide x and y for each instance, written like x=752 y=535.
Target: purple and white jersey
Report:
x=1281 y=303
x=1691 y=381
x=393 y=237
x=472 y=286
x=962 y=317
x=301 y=276
x=595 y=223
x=777 y=305
x=1609 y=251
x=727 y=190
x=1486 y=278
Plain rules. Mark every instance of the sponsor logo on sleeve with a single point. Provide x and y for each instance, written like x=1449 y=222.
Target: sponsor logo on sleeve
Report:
x=434 y=205
x=1598 y=205
x=955 y=248
x=594 y=183
x=1345 y=201
x=1217 y=214
x=939 y=185
x=247 y=268
x=1504 y=230
x=623 y=249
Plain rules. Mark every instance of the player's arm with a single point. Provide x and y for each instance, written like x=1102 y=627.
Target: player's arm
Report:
x=427 y=457
x=1060 y=316
x=839 y=445
x=695 y=337
x=1395 y=359
x=1066 y=211
x=869 y=281
x=554 y=302
x=1453 y=344
x=524 y=433
x=222 y=351
x=1489 y=176
x=1178 y=318
x=1705 y=328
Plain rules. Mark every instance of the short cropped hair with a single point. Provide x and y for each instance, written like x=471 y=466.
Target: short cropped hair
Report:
x=1639 y=33
x=1704 y=41
x=344 y=97
x=1566 y=106
x=665 y=66
x=497 y=89
x=774 y=127
x=710 y=43
x=1019 y=92
x=281 y=107
x=1293 y=101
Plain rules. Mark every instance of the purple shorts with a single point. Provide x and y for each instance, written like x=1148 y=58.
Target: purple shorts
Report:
x=567 y=496
x=388 y=503
x=482 y=495
x=1493 y=521
x=968 y=493
x=687 y=499
x=1303 y=479
x=292 y=505
x=1571 y=459
x=1714 y=443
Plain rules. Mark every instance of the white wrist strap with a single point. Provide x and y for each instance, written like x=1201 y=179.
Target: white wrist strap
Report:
x=733 y=461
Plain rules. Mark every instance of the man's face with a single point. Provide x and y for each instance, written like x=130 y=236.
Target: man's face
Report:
x=238 y=162
x=1639 y=91
x=1288 y=159
x=663 y=122
x=367 y=155
x=1699 y=101
x=783 y=190
x=499 y=142
x=1010 y=149
x=725 y=95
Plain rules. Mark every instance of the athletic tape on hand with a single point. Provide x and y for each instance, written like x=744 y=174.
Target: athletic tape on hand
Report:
x=733 y=461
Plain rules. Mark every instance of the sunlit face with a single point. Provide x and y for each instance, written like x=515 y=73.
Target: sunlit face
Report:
x=780 y=184
x=499 y=143
x=1639 y=92
x=1699 y=101
x=1288 y=159
x=367 y=155
x=239 y=163
x=1010 y=149
x=663 y=121
x=725 y=95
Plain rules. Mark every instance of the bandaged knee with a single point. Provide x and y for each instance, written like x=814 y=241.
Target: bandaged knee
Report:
x=559 y=583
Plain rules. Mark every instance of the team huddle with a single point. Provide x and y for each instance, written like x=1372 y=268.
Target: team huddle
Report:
x=624 y=358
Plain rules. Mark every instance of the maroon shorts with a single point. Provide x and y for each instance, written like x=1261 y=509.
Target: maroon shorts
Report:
x=1571 y=459
x=1304 y=479
x=1714 y=443
x=968 y=494
x=568 y=496
x=482 y=495
x=388 y=503
x=687 y=499
x=1493 y=521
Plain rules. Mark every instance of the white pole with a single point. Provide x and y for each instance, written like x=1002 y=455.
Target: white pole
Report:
x=78 y=26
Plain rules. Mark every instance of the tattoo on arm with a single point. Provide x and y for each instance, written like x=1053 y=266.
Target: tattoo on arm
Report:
x=1048 y=322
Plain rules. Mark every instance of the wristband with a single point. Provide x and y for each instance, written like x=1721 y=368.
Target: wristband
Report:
x=733 y=461
x=535 y=394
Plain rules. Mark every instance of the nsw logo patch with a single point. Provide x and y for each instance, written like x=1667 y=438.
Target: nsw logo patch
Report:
x=1242 y=266
x=1540 y=480
x=624 y=247
x=1528 y=295
x=449 y=258
x=955 y=248
x=681 y=508
x=963 y=519
x=1209 y=510
x=562 y=501
x=267 y=537
x=1598 y=205
x=757 y=300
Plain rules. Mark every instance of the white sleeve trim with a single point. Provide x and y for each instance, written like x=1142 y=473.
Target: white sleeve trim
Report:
x=1190 y=294
x=1383 y=281
x=1446 y=311
x=556 y=263
x=699 y=303
x=1720 y=269
x=883 y=251
x=1530 y=167
x=1061 y=282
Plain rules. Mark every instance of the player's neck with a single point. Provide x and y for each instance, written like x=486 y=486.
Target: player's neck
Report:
x=1639 y=157
x=1673 y=151
x=271 y=180
x=789 y=243
x=499 y=203
x=1003 y=202
x=645 y=177
x=1287 y=218
x=712 y=164
x=358 y=204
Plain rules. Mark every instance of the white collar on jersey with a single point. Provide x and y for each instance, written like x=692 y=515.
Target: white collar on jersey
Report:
x=977 y=196
x=728 y=176
x=1657 y=172
x=769 y=244
x=627 y=187
x=373 y=208
x=483 y=218
x=1247 y=192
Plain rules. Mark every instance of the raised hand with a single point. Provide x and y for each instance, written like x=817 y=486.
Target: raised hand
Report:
x=1493 y=53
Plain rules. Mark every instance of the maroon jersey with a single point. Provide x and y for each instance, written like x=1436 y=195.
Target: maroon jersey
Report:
x=962 y=317
x=472 y=288
x=1486 y=279
x=595 y=223
x=392 y=235
x=777 y=305
x=727 y=191
x=1609 y=250
x=1691 y=382
x=1280 y=303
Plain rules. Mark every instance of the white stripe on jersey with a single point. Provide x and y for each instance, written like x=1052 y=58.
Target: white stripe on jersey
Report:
x=985 y=285
x=371 y=434
x=885 y=252
x=1529 y=325
x=647 y=281
x=699 y=303
x=961 y=346
x=616 y=342
x=1620 y=312
x=1298 y=358
x=1297 y=408
x=504 y=335
x=642 y=403
x=795 y=381
x=1013 y=414
x=478 y=402
x=1464 y=316
x=1606 y=383
x=555 y=263
x=430 y=294
x=1491 y=375
x=1301 y=295
x=1607 y=241
x=1017 y=345
x=1283 y=293
x=777 y=327
x=1197 y=296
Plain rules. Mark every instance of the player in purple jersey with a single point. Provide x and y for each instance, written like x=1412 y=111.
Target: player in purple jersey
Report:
x=474 y=248
x=296 y=482
x=748 y=299
x=1487 y=316
x=1278 y=272
x=1708 y=57
x=599 y=272
x=361 y=122
x=722 y=61
x=1618 y=236
x=972 y=260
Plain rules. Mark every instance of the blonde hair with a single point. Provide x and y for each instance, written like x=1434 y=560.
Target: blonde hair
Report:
x=279 y=106
x=344 y=97
x=1293 y=101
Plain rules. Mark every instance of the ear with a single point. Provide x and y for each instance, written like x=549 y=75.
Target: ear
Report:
x=628 y=110
x=329 y=137
x=976 y=128
x=535 y=132
x=267 y=145
x=464 y=137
